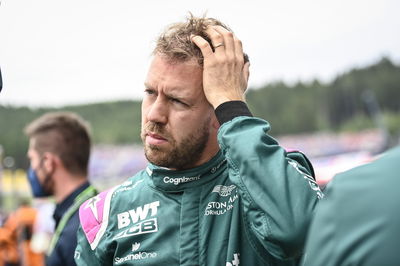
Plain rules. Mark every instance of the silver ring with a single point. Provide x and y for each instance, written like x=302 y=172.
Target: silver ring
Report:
x=218 y=45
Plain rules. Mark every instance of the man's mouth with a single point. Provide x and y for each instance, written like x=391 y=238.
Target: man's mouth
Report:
x=155 y=139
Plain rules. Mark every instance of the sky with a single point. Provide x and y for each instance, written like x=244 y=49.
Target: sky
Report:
x=55 y=53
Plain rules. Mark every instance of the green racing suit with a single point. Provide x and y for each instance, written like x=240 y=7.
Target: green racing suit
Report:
x=249 y=205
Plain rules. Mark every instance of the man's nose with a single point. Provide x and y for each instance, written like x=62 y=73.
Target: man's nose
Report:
x=158 y=112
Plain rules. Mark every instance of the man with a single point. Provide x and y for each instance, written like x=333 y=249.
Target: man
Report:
x=59 y=149
x=217 y=190
x=358 y=222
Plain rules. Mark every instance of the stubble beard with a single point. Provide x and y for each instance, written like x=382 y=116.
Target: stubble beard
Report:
x=177 y=156
x=48 y=182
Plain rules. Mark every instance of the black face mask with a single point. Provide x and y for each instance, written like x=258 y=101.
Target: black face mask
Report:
x=38 y=189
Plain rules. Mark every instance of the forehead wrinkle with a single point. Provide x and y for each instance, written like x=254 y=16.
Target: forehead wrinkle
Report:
x=179 y=92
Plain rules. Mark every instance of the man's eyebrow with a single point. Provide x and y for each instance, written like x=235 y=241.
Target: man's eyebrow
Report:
x=173 y=94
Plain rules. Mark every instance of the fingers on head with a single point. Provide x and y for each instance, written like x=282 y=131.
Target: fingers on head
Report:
x=215 y=37
x=239 y=50
x=219 y=35
x=246 y=71
x=203 y=45
x=227 y=37
x=232 y=43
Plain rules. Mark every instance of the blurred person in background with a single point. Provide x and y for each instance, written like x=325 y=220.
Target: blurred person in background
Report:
x=59 y=150
x=15 y=238
x=43 y=229
x=217 y=190
x=358 y=222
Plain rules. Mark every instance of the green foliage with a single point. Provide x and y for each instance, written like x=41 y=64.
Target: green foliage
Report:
x=392 y=121
x=345 y=96
x=357 y=123
x=301 y=107
x=12 y=122
x=111 y=123
x=290 y=109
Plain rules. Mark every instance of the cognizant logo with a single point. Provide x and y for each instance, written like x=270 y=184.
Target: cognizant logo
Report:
x=136 y=256
x=176 y=181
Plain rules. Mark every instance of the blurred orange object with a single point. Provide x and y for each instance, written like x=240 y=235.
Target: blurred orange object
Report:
x=15 y=237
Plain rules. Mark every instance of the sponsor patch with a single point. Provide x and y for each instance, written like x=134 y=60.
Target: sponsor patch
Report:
x=137 y=221
x=128 y=185
x=224 y=191
x=220 y=207
x=177 y=180
x=215 y=168
x=311 y=182
x=142 y=255
x=135 y=246
x=93 y=215
x=140 y=228
x=138 y=214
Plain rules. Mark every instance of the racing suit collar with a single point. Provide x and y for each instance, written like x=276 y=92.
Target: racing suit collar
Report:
x=175 y=181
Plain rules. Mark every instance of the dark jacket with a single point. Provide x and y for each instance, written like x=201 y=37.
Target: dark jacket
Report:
x=63 y=251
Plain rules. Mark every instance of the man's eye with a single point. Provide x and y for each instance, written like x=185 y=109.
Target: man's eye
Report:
x=178 y=101
x=148 y=91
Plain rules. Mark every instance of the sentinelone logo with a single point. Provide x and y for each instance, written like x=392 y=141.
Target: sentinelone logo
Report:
x=176 y=181
x=142 y=255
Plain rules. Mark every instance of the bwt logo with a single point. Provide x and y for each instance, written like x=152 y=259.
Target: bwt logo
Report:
x=138 y=214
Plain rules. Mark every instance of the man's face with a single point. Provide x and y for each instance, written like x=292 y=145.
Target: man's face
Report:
x=34 y=156
x=37 y=162
x=177 y=129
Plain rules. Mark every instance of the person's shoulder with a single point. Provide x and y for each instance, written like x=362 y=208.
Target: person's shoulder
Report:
x=68 y=235
x=378 y=170
x=95 y=213
x=388 y=159
x=371 y=180
x=111 y=196
x=72 y=223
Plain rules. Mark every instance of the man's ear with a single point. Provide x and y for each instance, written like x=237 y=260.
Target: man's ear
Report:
x=215 y=123
x=50 y=161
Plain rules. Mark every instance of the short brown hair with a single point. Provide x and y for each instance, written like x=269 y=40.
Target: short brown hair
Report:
x=175 y=41
x=65 y=134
